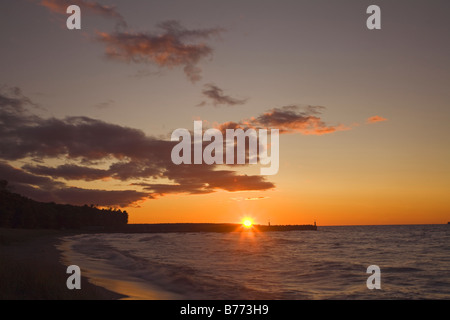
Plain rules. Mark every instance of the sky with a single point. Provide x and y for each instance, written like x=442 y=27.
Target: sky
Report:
x=87 y=115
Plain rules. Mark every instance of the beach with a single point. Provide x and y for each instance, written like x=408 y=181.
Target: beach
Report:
x=31 y=268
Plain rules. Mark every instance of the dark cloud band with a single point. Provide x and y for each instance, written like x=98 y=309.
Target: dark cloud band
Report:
x=83 y=142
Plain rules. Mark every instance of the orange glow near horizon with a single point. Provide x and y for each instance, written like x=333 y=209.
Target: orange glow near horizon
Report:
x=327 y=209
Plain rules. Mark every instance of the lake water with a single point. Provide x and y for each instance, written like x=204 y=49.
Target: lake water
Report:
x=329 y=263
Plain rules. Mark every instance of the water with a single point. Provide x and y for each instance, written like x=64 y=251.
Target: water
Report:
x=330 y=263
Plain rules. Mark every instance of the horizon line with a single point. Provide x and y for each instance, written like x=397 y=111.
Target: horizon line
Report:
x=336 y=225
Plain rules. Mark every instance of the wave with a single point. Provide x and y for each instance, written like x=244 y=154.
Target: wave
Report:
x=151 y=238
x=401 y=269
x=179 y=279
x=270 y=265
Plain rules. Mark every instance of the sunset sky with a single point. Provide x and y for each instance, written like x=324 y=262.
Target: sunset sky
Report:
x=364 y=115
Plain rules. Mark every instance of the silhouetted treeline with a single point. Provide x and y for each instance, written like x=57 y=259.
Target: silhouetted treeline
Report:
x=17 y=211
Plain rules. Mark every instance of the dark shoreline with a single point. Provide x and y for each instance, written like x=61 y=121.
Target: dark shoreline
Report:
x=32 y=268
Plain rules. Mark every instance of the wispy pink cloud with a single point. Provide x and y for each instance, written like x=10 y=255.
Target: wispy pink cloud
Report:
x=175 y=47
x=375 y=119
x=216 y=97
x=289 y=119
x=90 y=7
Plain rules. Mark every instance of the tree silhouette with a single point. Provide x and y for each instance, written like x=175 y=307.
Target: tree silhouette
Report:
x=17 y=211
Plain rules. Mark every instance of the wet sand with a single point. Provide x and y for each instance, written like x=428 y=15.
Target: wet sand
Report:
x=105 y=275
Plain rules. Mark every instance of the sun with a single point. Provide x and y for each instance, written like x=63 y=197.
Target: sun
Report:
x=248 y=223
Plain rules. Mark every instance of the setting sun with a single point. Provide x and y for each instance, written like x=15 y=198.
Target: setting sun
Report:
x=247 y=223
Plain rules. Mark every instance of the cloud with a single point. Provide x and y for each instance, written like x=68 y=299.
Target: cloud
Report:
x=176 y=46
x=256 y=198
x=46 y=189
x=375 y=119
x=89 y=7
x=248 y=199
x=126 y=154
x=104 y=105
x=217 y=97
x=18 y=176
x=145 y=73
x=79 y=196
x=12 y=100
x=289 y=119
x=68 y=172
x=220 y=180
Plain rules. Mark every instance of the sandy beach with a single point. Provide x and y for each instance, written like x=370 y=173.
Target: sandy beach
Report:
x=31 y=269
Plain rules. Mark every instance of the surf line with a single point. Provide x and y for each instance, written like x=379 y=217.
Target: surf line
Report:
x=234 y=138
